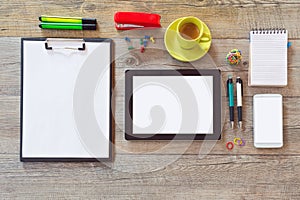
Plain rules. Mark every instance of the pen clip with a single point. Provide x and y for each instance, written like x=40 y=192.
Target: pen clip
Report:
x=227 y=93
x=228 y=86
x=242 y=88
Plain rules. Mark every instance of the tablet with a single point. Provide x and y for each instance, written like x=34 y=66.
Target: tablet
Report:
x=173 y=104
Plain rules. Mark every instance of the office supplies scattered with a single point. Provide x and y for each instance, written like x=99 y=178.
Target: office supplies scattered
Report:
x=64 y=82
x=143 y=43
x=239 y=96
x=67 y=26
x=236 y=141
x=132 y=20
x=172 y=104
x=229 y=146
x=268 y=57
x=230 y=91
x=60 y=19
x=267 y=121
x=234 y=57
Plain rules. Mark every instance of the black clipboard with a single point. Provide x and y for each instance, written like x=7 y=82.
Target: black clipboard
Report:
x=80 y=51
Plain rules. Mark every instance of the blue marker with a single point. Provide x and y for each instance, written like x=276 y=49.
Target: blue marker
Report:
x=230 y=94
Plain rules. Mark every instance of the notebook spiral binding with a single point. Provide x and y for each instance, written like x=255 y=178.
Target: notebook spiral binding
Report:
x=268 y=31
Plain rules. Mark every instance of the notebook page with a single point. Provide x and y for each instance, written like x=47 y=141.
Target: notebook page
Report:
x=268 y=58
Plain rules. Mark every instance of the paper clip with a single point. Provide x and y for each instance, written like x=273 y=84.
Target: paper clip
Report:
x=237 y=141
x=243 y=142
x=229 y=145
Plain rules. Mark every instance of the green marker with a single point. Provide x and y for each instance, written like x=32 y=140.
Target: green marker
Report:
x=68 y=26
x=74 y=20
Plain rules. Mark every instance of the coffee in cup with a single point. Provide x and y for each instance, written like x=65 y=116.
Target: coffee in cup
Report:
x=190 y=32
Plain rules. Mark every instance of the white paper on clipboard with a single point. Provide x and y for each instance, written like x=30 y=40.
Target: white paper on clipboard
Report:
x=66 y=100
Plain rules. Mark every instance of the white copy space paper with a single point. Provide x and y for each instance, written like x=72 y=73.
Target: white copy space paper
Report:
x=267 y=120
x=172 y=104
x=66 y=101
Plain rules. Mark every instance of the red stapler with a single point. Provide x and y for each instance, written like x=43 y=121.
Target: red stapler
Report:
x=131 y=20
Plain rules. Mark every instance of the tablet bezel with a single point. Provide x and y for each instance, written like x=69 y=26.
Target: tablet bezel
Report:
x=215 y=73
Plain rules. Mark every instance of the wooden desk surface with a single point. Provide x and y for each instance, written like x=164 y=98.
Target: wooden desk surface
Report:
x=156 y=170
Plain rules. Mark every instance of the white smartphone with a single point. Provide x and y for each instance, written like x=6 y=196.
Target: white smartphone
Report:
x=267 y=121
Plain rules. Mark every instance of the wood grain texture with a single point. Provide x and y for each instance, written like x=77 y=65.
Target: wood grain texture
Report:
x=20 y=18
x=149 y=177
x=157 y=57
x=157 y=169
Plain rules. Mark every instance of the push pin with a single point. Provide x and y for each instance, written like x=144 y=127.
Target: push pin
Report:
x=145 y=43
x=142 y=49
x=152 y=40
x=127 y=39
x=130 y=48
x=147 y=37
x=141 y=41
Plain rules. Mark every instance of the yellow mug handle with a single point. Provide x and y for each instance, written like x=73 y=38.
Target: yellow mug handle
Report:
x=205 y=37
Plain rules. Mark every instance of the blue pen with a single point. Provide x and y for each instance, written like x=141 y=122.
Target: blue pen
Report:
x=230 y=91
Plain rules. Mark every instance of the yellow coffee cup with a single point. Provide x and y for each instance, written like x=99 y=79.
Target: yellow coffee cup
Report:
x=190 y=32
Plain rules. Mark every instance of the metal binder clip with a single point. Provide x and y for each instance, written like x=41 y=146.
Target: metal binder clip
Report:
x=48 y=47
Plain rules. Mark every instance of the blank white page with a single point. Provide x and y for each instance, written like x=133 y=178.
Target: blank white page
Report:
x=268 y=58
x=66 y=98
x=267 y=120
x=172 y=104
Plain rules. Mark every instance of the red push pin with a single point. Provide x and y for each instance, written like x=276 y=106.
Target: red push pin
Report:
x=142 y=49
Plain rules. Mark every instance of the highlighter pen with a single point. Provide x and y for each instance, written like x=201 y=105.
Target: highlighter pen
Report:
x=230 y=91
x=239 y=94
x=74 y=20
x=68 y=26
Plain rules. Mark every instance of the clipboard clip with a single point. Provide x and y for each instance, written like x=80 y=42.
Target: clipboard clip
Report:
x=72 y=44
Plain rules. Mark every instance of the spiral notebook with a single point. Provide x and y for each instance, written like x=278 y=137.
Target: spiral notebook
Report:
x=268 y=57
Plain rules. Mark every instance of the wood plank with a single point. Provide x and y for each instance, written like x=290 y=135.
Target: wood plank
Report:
x=10 y=65
x=10 y=89
x=237 y=17
x=158 y=177
x=10 y=133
